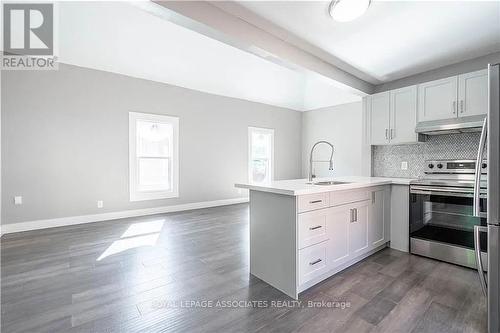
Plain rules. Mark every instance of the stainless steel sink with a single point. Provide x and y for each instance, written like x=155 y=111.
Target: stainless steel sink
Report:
x=331 y=182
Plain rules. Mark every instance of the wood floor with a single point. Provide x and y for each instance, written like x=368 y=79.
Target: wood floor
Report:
x=152 y=274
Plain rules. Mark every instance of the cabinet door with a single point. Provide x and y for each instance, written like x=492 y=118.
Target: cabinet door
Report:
x=380 y=118
x=358 y=228
x=377 y=223
x=403 y=115
x=473 y=93
x=437 y=99
x=338 y=231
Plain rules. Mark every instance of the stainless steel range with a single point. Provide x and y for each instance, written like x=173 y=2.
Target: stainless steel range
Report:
x=441 y=212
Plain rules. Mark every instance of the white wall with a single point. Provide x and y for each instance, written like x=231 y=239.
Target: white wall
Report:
x=65 y=141
x=467 y=66
x=343 y=126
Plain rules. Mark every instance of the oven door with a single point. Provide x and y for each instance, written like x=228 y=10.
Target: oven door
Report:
x=445 y=215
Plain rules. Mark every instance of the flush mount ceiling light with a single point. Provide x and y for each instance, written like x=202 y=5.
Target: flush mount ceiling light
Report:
x=347 y=10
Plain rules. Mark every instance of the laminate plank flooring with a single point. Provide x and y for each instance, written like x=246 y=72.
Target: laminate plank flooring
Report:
x=189 y=272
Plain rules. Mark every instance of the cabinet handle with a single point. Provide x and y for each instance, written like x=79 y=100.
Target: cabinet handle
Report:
x=373 y=197
x=387 y=134
x=315 y=201
x=393 y=133
x=352 y=215
x=454 y=106
x=355 y=215
x=317 y=261
x=314 y=228
x=462 y=106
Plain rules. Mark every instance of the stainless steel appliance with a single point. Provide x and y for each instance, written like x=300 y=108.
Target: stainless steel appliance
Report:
x=442 y=220
x=490 y=138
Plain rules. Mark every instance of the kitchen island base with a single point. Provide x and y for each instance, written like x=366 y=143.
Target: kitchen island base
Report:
x=296 y=241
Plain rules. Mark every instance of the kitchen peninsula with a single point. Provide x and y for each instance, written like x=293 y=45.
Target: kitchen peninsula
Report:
x=302 y=233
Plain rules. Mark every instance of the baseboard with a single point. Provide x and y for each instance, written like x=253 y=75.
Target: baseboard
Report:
x=72 y=220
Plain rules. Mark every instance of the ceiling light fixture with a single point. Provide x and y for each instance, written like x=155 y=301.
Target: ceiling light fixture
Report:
x=347 y=10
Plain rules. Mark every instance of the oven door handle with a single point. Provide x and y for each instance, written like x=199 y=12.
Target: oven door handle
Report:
x=479 y=261
x=451 y=191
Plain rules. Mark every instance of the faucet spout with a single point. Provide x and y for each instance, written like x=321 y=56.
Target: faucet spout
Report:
x=311 y=175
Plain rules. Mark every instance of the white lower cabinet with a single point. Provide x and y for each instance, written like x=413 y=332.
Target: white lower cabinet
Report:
x=358 y=228
x=379 y=219
x=313 y=261
x=338 y=231
x=331 y=238
x=312 y=227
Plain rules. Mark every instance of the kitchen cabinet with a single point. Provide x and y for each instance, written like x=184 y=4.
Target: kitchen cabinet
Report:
x=457 y=96
x=393 y=116
x=338 y=227
x=399 y=221
x=358 y=228
x=473 y=93
x=298 y=240
x=312 y=227
x=438 y=99
x=380 y=118
x=403 y=115
x=378 y=219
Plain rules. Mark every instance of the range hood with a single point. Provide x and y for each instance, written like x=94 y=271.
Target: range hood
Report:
x=451 y=126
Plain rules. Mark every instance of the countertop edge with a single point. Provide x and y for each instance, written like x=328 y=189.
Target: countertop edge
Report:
x=373 y=181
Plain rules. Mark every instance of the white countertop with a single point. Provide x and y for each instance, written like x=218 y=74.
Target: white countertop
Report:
x=301 y=186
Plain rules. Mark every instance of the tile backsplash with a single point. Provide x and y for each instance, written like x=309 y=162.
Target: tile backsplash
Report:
x=386 y=160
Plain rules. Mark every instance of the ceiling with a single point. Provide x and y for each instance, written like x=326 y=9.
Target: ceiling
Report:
x=139 y=44
x=393 y=39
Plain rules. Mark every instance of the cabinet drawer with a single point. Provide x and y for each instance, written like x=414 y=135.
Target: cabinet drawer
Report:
x=312 y=201
x=313 y=262
x=312 y=227
x=344 y=197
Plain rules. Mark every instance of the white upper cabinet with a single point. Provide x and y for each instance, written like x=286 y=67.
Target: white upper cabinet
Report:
x=438 y=99
x=403 y=115
x=473 y=93
x=379 y=118
x=393 y=116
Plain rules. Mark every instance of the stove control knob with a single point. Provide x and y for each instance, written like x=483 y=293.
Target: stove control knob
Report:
x=484 y=165
x=431 y=166
x=440 y=166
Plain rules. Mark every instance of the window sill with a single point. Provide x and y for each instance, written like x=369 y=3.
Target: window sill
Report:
x=143 y=196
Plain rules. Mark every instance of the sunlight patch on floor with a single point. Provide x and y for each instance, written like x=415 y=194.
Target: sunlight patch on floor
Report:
x=137 y=235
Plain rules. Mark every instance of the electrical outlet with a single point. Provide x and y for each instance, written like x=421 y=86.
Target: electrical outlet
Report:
x=100 y=204
x=404 y=165
x=18 y=200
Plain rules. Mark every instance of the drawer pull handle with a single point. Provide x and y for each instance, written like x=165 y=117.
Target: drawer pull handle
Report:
x=315 y=201
x=315 y=262
x=314 y=228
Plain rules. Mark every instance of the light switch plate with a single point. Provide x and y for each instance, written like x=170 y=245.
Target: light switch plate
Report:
x=100 y=204
x=404 y=165
x=18 y=200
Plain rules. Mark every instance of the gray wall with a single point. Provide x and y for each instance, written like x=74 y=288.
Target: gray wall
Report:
x=342 y=125
x=442 y=72
x=387 y=159
x=65 y=141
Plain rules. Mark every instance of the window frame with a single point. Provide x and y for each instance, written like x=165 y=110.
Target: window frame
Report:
x=266 y=131
x=135 y=193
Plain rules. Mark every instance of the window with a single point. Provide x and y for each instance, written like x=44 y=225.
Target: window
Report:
x=260 y=155
x=153 y=156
